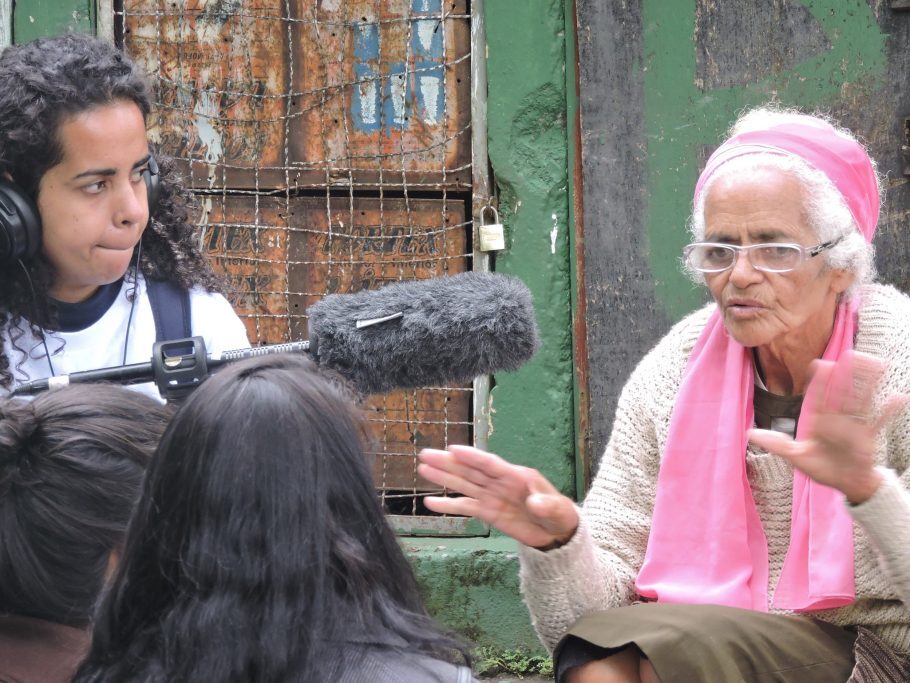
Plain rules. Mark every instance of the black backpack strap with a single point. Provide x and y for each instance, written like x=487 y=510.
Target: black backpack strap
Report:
x=171 y=310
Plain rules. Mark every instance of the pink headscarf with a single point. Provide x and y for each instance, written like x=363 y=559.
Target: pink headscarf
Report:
x=707 y=544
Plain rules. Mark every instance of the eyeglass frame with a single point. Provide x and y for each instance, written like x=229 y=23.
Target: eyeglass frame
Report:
x=805 y=253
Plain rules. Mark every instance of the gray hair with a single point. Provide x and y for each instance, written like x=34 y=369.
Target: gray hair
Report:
x=829 y=216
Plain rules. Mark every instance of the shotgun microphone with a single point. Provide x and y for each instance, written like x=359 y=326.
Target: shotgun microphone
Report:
x=426 y=332
x=411 y=334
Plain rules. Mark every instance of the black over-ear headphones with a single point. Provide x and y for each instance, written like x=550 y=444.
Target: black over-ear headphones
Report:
x=20 y=222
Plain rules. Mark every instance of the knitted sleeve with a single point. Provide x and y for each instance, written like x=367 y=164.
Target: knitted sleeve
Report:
x=596 y=570
x=885 y=518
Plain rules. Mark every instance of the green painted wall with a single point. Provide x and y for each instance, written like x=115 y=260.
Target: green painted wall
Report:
x=471 y=585
x=34 y=18
x=526 y=73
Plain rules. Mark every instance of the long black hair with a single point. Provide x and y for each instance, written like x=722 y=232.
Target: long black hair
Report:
x=42 y=84
x=71 y=469
x=259 y=539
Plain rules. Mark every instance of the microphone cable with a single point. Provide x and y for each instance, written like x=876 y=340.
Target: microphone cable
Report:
x=31 y=289
x=133 y=295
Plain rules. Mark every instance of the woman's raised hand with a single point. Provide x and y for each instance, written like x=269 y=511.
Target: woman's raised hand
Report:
x=517 y=500
x=839 y=445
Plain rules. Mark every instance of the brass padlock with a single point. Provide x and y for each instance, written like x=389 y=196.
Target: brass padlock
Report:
x=492 y=235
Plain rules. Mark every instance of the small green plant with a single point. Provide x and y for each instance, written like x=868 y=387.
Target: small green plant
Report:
x=489 y=661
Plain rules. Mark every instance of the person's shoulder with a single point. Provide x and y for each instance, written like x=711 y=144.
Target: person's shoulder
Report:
x=202 y=294
x=686 y=332
x=194 y=292
x=381 y=665
x=884 y=313
x=215 y=319
x=675 y=347
x=425 y=669
x=204 y=302
x=881 y=299
x=212 y=317
x=883 y=330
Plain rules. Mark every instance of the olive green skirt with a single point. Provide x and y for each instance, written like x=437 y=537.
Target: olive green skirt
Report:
x=695 y=643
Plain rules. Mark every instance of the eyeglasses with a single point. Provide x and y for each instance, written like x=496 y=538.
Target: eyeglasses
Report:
x=714 y=257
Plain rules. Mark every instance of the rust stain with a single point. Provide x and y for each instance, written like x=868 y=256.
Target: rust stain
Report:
x=249 y=98
x=337 y=95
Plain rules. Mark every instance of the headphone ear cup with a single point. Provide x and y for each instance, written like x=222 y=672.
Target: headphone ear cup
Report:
x=20 y=224
x=152 y=185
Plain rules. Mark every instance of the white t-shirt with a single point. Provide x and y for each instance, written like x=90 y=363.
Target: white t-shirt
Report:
x=101 y=345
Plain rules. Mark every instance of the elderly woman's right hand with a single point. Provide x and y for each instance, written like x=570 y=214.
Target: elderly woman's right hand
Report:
x=517 y=500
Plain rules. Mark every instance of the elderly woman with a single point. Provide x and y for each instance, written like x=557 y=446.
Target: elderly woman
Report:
x=707 y=549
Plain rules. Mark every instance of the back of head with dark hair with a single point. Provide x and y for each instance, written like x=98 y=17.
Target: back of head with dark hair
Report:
x=259 y=538
x=42 y=84
x=71 y=468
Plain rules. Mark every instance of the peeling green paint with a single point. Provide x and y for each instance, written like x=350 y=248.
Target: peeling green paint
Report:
x=681 y=117
x=471 y=585
x=34 y=18
x=526 y=73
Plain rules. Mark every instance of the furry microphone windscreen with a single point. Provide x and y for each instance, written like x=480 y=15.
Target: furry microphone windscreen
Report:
x=439 y=331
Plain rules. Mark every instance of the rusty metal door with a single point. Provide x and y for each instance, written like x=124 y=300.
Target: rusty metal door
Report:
x=329 y=145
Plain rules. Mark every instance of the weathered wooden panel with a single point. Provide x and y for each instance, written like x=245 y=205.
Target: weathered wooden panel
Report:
x=404 y=422
x=340 y=92
x=785 y=35
x=341 y=245
x=6 y=23
x=621 y=318
x=221 y=81
x=282 y=254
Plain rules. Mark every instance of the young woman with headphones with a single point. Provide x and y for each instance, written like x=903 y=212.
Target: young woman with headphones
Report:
x=89 y=218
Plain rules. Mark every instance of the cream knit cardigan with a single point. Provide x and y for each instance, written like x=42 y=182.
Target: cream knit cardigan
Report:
x=596 y=570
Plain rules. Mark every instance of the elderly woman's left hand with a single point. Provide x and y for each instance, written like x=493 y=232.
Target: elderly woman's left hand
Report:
x=839 y=444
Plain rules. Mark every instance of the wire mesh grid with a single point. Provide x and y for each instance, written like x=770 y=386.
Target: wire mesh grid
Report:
x=328 y=143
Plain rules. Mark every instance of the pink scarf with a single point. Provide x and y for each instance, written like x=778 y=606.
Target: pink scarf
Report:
x=707 y=544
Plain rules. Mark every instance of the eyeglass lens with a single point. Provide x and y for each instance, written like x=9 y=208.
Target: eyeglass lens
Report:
x=717 y=257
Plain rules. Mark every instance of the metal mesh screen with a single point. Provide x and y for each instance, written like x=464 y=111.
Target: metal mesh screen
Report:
x=328 y=143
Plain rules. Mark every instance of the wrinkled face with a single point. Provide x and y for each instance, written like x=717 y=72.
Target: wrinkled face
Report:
x=762 y=308
x=93 y=204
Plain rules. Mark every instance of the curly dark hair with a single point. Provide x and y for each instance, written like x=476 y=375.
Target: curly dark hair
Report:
x=42 y=84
